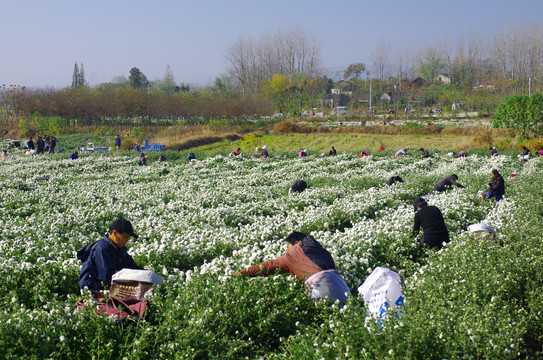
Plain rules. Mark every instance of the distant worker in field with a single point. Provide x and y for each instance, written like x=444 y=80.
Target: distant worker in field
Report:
x=235 y=152
x=496 y=186
x=332 y=151
x=424 y=153
x=311 y=264
x=493 y=151
x=52 y=144
x=191 y=157
x=30 y=144
x=364 y=153
x=525 y=154
x=302 y=153
x=40 y=145
x=118 y=143
x=401 y=152
x=137 y=147
x=74 y=156
x=105 y=257
x=264 y=152
x=4 y=154
x=447 y=183
x=142 y=160
x=395 y=178
x=432 y=223
x=162 y=158
x=462 y=153
x=298 y=186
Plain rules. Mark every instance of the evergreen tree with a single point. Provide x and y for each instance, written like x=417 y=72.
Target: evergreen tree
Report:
x=82 y=81
x=75 y=76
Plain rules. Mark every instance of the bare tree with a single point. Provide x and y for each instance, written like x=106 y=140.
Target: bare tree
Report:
x=446 y=51
x=379 y=60
x=517 y=52
x=290 y=53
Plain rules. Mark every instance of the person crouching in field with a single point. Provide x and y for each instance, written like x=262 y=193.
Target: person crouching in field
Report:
x=496 y=186
x=424 y=153
x=298 y=186
x=447 y=183
x=105 y=257
x=433 y=225
x=310 y=263
x=394 y=179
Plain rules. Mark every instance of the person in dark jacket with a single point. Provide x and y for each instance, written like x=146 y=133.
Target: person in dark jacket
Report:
x=496 y=186
x=432 y=223
x=264 y=152
x=424 y=153
x=493 y=151
x=394 y=179
x=447 y=183
x=40 y=144
x=105 y=257
x=52 y=144
x=310 y=263
x=298 y=186
x=332 y=151
x=30 y=144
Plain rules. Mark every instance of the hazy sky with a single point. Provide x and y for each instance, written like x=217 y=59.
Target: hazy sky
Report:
x=42 y=39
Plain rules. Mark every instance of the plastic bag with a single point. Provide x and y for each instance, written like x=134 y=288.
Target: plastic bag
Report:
x=328 y=284
x=381 y=290
x=482 y=232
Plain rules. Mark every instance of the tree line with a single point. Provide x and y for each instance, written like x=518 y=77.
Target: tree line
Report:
x=282 y=72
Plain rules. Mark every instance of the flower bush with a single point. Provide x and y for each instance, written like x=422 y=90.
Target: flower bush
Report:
x=201 y=222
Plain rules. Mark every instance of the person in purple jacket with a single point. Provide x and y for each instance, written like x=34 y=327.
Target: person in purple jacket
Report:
x=105 y=257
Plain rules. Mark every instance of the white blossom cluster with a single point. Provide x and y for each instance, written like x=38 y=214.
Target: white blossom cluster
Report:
x=223 y=214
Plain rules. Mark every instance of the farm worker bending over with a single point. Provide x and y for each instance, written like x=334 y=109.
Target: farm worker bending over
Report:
x=235 y=152
x=496 y=186
x=332 y=151
x=433 y=225
x=493 y=151
x=394 y=179
x=264 y=152
x=142 y=160
x=74 y=156
x=298 y=186
x=447 y=183
x=310 y=263
x=424 y=153
x=105 y=257
x=302 y=153
x=401 y=152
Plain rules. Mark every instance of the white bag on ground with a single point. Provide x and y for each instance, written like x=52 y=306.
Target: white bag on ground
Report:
x=146 y=276
x=381 y=290
x=328 y=283
x=482 y=232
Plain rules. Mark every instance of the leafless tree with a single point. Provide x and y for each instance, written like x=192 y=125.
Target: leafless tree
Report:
x=518 y=51
x=379 y=60
x=291 y=53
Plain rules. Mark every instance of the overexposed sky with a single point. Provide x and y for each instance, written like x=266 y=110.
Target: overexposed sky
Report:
x=41 y=40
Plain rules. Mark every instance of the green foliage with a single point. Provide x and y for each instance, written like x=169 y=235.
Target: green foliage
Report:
x=524 y=114
x=37 y=125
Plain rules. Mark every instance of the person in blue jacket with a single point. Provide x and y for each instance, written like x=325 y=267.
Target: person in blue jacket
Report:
x=105 y=257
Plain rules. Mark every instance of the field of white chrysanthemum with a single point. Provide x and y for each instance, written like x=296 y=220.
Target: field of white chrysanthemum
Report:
x=198 y=223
